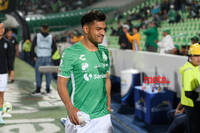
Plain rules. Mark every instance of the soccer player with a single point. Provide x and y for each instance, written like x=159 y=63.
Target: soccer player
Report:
x=84 y=67
x=5 y=66
x=14 y=47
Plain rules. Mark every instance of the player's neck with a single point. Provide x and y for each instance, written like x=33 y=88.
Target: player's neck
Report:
x=1 y=37
x=89 y=45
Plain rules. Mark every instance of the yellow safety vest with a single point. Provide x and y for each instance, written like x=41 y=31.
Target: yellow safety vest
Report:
x=56 y=55
x=27 y=47
x=190 y=78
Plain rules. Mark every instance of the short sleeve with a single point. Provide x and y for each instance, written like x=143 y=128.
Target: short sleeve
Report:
x=66 y=64
x=108 y=60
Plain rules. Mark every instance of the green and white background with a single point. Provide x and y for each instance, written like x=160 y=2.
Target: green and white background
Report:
x=32 y=114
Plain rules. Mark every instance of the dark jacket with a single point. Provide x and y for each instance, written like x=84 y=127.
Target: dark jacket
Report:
x=5 y=56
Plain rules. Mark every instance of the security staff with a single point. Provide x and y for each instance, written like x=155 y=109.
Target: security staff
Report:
x=5 y=66
x=45 y=47
x=190 y=76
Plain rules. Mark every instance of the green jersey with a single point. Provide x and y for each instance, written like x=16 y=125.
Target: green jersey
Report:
x=86 y=71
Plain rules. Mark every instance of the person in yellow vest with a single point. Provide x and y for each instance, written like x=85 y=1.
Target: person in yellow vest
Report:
x=190 y=98
x=134 y=39
x=56 y=58
x=77 y=36
x=27 y=49
x=56 y=61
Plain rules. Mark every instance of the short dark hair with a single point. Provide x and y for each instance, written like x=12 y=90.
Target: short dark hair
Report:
x=45 y=26
x=137 y=28
x=195 y=39
x=8 y=29
x=92 y=16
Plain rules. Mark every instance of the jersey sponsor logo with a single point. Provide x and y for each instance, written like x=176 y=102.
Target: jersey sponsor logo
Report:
x=84 y=66
x=104 y=56
x=5 y=45
x=87 y=77
x=82 y=57
x=97 y=76
x=101 y=65
x=13 y=41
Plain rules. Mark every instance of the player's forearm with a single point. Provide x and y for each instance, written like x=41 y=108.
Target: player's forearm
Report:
x=108 y=88
x=63 y=93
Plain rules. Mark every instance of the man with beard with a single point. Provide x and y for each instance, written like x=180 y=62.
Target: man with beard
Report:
x=84 y=67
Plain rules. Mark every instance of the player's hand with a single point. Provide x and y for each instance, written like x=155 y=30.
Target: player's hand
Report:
x=11 y=75
x=177 y=111
x=72 y=114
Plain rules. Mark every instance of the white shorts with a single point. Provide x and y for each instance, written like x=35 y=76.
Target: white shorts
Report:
x=99 y=125
x=3 y=82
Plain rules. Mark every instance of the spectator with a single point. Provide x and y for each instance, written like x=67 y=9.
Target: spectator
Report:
x=123 y=40
x=156 y=9
x=164 y=15
x=119 y=28
x=176 y=50
x=77 y=36
x=178 y=17
x=56 y=61
x=194 y=9
x=179 y=4
x=15 y=52
x=194 y=40
x=166 y=45
x=27 y=49
x=165 y=5
x=45 y=48
x=184 y=50
x=135 y=39
x=172 y=15
x=151 y=37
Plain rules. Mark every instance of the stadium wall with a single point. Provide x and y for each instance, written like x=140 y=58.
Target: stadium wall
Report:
x=151 y=64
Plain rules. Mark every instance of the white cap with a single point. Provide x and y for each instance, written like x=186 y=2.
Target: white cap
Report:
x=171 y=6
x=126 y=26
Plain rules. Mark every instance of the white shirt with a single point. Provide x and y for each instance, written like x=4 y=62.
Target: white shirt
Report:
x=166 y=44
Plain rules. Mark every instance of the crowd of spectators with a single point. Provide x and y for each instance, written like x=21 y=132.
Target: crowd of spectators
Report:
x=51 y=6
x=150 y=19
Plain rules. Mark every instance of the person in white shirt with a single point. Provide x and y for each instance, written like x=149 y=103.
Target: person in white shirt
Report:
x=166 y=45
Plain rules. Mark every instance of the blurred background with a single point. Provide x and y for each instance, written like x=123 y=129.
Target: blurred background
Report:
x=145 y=38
